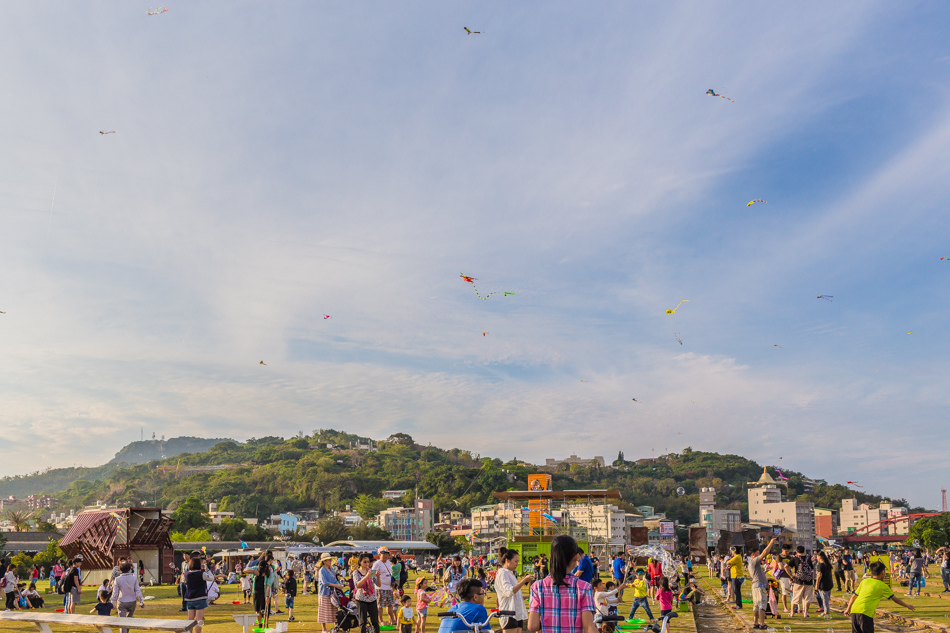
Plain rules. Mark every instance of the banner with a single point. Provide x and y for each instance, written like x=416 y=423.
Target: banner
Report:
x=667 y=528
x=697 y=544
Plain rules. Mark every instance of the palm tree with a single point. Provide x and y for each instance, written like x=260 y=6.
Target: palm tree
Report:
x=19 y=519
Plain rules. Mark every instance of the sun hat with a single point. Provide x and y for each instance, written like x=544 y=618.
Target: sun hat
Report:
x=325 y=556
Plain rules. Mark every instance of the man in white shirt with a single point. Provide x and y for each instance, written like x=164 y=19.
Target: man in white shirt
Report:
x=384 y=580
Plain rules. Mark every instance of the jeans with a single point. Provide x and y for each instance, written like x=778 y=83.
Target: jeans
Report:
x=825 y=599
x=640 y=602
x=945 y=576
x=369 y=614
x=915 y=581
x=737 y=589
x=839 y=578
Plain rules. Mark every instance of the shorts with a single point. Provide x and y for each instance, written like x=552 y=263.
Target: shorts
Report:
x=74 y=597
x=423 y=613
x=386 y=598
x=861 y=623
x=405 y=628
x=513 y=623
x=786 y=586
x=850 y=574
x=289 y=601
x=760 y=598
x=196 y=605
x=803 y=595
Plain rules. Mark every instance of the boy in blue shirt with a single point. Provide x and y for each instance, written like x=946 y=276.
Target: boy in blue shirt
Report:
x=472 y=593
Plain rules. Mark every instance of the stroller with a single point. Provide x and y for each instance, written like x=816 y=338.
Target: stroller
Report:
x=346 y=615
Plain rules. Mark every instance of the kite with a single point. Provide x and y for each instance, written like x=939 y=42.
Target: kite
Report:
x=157 y=11
x=776 y=345
x=243 y=545
x=677 y=337
x=635 y=400
x=914 y=333
x=472 y=281
x=585 y=381
x=326 y=316
x=204 y=549
x=466 y=30
x=943 y=258
x=827 y=297
x=109 y=132
x=713 y=93
x=263 y=363
x=757 y=200
x=854 y=483
x=2 y=312
x=780 y=475
x=484 y=333
x=673 y=310
x=549 y=518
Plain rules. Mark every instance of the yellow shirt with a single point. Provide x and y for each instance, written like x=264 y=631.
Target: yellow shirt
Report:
x=870 y=593
x=735 y=567
x=639 y=588
x=405 y=615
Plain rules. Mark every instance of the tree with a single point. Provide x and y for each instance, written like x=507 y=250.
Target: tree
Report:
x=446 y=544
x=231 y=529
x=50 y=555
x=194 y=535
x=620 y=457
x=45 y=526
x=931 y=532
x=189 y=514
x=401 y=439
x=364 y=532
x=368 y=507
x=24 y=564
x=256 y=533
x=19 y=519
x=330 y=529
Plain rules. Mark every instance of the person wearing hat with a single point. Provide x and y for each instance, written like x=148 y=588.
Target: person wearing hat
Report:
x=327 y=581
x=384 y=572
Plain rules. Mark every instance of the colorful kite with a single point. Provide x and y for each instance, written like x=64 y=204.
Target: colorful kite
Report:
x=780 y=475
x=470 y=32
x=827 y=297
x=472 y=281
x=914 y=333
x=776 y=345
x=854 y=483
x=713 y=93
x=157 y=11
x=109 y=132
x=549 y=518
x=263 y=363
x=751 y=202
x=484 y=333
x=677 y=337
x=326 y=316
x=673 y=310
x=2 y=312
x=943 y=258
x=243 y=545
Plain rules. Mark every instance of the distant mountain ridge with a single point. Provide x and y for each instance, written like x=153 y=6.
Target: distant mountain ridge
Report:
x=146 y=451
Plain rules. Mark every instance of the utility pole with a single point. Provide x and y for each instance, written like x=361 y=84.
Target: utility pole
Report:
x=943 y=497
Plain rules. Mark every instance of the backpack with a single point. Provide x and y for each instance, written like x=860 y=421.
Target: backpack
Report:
x=3 y=582
x=804 y=572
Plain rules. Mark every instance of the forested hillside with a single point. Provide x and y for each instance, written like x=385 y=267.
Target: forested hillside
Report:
x=323 y=471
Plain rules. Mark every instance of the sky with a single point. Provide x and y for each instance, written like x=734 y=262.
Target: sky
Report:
x=273 y=163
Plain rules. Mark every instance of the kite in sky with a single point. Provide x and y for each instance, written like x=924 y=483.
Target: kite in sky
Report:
x=713 y=93
x=157 y=11
x=677 y=337
x=854 y=483
x=243 y=545
x=549 y=518
x=776 y=345
x=263 y=363
x=472 y=281
x=582 y=380
x=467 y=30
x=826 y=297
x=635 y=400
x=673 y=310
x=914 y=333
x=943 y=258
x=751 y=202
x=484 y=333
x=780 y=475
x=2 y=312
x=326 y=316
x=109 y=132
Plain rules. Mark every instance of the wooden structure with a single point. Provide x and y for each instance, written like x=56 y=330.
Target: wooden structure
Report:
x=101 y=537
x=105 y=624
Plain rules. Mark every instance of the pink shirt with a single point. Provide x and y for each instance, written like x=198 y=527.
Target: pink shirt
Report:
x=666 y=600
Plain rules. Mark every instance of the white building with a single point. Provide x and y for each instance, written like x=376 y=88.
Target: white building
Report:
x=409 y=524
x=766 y=506
x=497 y=518
x=716 y=519
x=394 y=494
x=605 y=523
x=574 y=460
x=854 y=516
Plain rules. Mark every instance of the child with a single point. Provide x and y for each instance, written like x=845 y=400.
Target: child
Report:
x=422 y=604
x=602 y=596
x=405 y=614
x=246 y=588
x=869 y=594
x=640 y=597
x=103 y=607
x=665 y=597
x=290 y=592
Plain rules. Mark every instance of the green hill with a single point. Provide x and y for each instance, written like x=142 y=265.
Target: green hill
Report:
x=149 y=450
x=272 y=474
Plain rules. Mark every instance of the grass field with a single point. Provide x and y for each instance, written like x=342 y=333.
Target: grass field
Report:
x=218 y=617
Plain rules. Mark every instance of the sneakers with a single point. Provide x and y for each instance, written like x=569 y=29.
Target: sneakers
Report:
x=290 y=619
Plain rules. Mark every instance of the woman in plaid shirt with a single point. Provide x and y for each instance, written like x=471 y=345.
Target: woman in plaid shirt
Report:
x=562 y=603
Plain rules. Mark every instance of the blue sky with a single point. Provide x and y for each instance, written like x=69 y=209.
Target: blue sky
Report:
x=276 y=162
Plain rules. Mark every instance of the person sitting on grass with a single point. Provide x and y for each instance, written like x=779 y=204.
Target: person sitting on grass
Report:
x=869 y=594
x=103 y=607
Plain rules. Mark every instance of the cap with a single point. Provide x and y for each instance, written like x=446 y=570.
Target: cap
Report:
x=383 y=550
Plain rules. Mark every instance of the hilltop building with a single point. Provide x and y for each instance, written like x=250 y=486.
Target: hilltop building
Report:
x=574 y=460
x=409 y=524
x=766 y=506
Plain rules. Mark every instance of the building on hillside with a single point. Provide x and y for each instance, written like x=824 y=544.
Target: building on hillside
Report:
x=826 y=523
x=217 y=516
x=605 y=523
x=766 y=506
x=350 y=518
x=102 y=536
x=714 y=519
x=634 y=520
x=855 y=516
x=394 y=494
x=40 y=502
x=574 y=460
x=646 y=511
x=409 y=524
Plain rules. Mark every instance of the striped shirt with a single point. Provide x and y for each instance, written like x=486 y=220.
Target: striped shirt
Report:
x=560 y=607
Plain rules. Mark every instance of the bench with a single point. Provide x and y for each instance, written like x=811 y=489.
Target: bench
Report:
x=105 y=624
